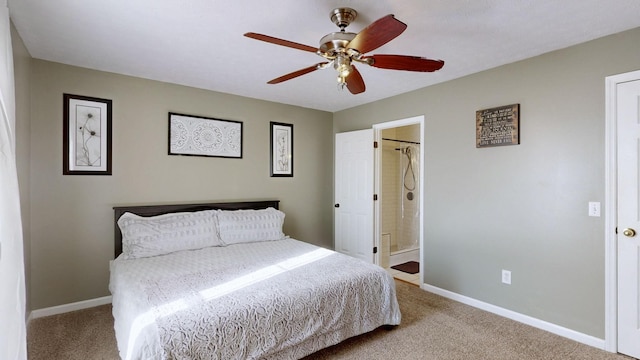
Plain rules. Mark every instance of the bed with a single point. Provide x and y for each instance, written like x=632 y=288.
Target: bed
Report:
x=253 y=293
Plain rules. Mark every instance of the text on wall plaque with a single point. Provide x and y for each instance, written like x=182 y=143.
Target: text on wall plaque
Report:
x=498 y=126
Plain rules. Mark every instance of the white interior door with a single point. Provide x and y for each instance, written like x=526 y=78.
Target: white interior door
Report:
x=628 y=119
x=354 y=194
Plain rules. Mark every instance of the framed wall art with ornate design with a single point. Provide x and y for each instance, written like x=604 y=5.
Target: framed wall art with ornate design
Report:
x=203 y=136
x=86 y=135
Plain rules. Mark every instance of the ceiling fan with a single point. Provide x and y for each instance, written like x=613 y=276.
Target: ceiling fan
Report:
x=342 y=49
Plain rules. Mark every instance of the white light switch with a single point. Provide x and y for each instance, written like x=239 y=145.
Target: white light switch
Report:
x=594 y=208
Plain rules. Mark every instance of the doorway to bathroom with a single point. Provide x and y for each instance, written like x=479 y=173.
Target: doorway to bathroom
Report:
x=399 y=184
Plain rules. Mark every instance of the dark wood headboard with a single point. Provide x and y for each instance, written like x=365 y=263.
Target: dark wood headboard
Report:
x=153 y=210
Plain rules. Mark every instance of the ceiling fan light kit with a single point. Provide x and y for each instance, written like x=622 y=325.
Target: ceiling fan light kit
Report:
x=341 y=49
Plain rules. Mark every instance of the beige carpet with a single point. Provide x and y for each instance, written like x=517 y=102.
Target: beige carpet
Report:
x=432 y=328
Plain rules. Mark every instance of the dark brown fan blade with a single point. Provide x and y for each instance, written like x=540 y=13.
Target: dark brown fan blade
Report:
x=295 y=74
x=355 y=84
x=404 y=62
x=377 y=34
x=287 y=43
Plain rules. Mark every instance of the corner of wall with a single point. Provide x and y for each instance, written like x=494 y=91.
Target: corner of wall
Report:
x=22 y=75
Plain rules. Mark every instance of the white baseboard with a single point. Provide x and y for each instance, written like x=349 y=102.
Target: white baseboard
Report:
x=525 y=319
x=61 y=309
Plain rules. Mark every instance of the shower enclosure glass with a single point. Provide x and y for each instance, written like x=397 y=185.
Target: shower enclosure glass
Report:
x=400 y=177
x=408 y=216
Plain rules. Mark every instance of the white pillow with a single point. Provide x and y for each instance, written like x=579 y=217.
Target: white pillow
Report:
x=164 y=234
x=243 y=226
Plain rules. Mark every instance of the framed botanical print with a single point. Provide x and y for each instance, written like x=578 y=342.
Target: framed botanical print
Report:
x=281 y=150
x=86 y=135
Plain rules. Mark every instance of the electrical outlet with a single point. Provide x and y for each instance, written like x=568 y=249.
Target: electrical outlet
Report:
x=506 y=277
x=594 y=208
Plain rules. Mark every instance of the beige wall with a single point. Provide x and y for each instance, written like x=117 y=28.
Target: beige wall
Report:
x=521 y=208
x=71 y=216
x=22 y=69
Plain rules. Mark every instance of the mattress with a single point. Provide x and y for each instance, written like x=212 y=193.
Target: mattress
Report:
x=280 y=299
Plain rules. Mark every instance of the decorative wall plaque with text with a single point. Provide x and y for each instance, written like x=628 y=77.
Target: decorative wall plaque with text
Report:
x=498 y=126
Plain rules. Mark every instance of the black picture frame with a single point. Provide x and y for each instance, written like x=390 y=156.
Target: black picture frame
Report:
x=281 y=149
x=191 y=135
x=86 y=135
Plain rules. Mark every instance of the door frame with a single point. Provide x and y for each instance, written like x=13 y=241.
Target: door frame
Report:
x=377 y=163
x=610 y=209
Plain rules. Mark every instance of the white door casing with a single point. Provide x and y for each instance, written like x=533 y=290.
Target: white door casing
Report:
x=628 y=249
x=354 y=194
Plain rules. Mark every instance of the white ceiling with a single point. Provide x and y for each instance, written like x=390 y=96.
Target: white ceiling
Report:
x=200 y=43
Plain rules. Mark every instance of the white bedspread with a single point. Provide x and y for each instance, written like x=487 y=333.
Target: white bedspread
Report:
x=275 y=300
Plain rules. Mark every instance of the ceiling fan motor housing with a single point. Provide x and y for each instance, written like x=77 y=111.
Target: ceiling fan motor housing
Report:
x=336 y=42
